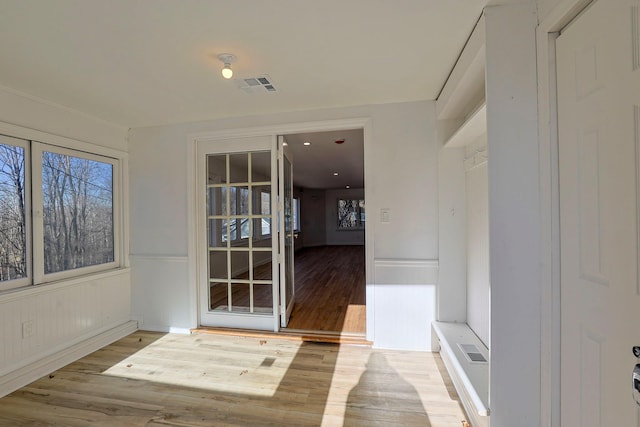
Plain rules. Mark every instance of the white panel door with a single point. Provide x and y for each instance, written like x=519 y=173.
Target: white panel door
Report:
x=598 y=64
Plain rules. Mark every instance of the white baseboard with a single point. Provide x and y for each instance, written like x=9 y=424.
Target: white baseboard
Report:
x=29 y=373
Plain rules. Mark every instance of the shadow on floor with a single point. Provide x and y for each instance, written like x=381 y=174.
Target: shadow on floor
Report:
x=383 y=395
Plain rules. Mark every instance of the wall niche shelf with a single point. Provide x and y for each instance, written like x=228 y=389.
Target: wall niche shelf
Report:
x=473 y=128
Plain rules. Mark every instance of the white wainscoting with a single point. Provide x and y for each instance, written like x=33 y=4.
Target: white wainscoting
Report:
x=164 y=296
x=404 y=303
x=56 y=318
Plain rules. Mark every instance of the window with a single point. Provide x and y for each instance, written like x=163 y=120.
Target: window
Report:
x=351 y=214
x=74 y=228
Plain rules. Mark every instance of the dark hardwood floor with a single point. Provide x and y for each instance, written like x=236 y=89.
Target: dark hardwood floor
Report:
x=330 y=289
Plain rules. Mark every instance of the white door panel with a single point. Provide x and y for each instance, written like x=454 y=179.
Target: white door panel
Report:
x=237 y=250
x=286 y=235
x=598 y=99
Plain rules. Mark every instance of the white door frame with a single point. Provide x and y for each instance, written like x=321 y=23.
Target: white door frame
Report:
x=363 y=123
x=548 y=30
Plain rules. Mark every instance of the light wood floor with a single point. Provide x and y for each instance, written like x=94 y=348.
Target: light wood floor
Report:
x=330 y=289
x=153 y=379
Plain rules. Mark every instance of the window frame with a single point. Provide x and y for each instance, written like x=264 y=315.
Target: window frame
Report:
x=34 y=203
x=28 y=279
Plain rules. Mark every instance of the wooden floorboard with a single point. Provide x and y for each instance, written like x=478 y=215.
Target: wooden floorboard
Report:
x=154 y=379
x=330 y=289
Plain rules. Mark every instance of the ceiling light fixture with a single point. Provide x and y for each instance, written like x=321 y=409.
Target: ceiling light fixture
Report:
x=307 y=143
x=335 y=174
x=227 y=59
x=348 y=186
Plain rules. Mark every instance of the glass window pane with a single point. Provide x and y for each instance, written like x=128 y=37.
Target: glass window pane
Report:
x=217 y=169
x=296 y=214
x=13 y=226
x=77 y=198
x=239 y=201
x=261 y=200
x=261 y=166
x=245 y=228
x=240 y=297
x=238 y=167
x=262 y=269
x=218 y=265
x=232 y=230
x=216 y=201
x=240 y=264
x=219 y=296
x=263 y=299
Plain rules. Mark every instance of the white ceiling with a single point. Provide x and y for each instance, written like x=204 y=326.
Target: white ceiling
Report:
x=148 y=62
x=314 y=165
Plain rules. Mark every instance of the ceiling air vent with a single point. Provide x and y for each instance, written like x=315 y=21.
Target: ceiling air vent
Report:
x=472 y=353
x=260 y=84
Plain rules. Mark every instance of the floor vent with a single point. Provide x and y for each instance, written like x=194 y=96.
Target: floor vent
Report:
x=260 y=84
x=472 y=353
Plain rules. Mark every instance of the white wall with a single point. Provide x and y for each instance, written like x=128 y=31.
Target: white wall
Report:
x=452 y=275
x=402 y=155
x=514 y=206
x=478 y=285
x=312 y=218
x=333 y=235
x=69 y=312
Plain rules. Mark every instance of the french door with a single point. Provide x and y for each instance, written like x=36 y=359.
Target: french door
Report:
x=242 y=262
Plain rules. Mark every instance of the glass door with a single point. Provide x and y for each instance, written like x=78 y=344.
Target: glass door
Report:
x=238 y=244
x=287 y=226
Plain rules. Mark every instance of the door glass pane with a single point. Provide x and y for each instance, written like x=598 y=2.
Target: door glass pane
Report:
x=229 y=230
x=240 y=264
x=13 y=240
x=77 y=213
x=239 y=167
x=261 y=166
x=216 y=201
x=262 y=269
x=240 y=297
x=263 y=298
x=288 y=228
x=218 y=265
x=219 y=296
x=239 y=200
x=216 y=169
x=261 y=199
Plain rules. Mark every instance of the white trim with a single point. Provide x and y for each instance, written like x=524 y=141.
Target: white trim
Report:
x=406 y=271
x=364 y=123
x=157 y=257
x=30 y=290
x=284 y=129
x=561 y=15
x=61 y=141
x=24 y=375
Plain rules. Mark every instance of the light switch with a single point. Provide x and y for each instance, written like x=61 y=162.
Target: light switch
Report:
x=385 y=215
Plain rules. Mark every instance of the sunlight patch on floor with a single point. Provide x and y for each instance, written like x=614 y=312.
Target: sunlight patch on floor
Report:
x=232 y=370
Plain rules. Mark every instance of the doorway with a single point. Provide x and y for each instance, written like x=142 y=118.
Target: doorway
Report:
x=329 y=195
x=250 y=313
